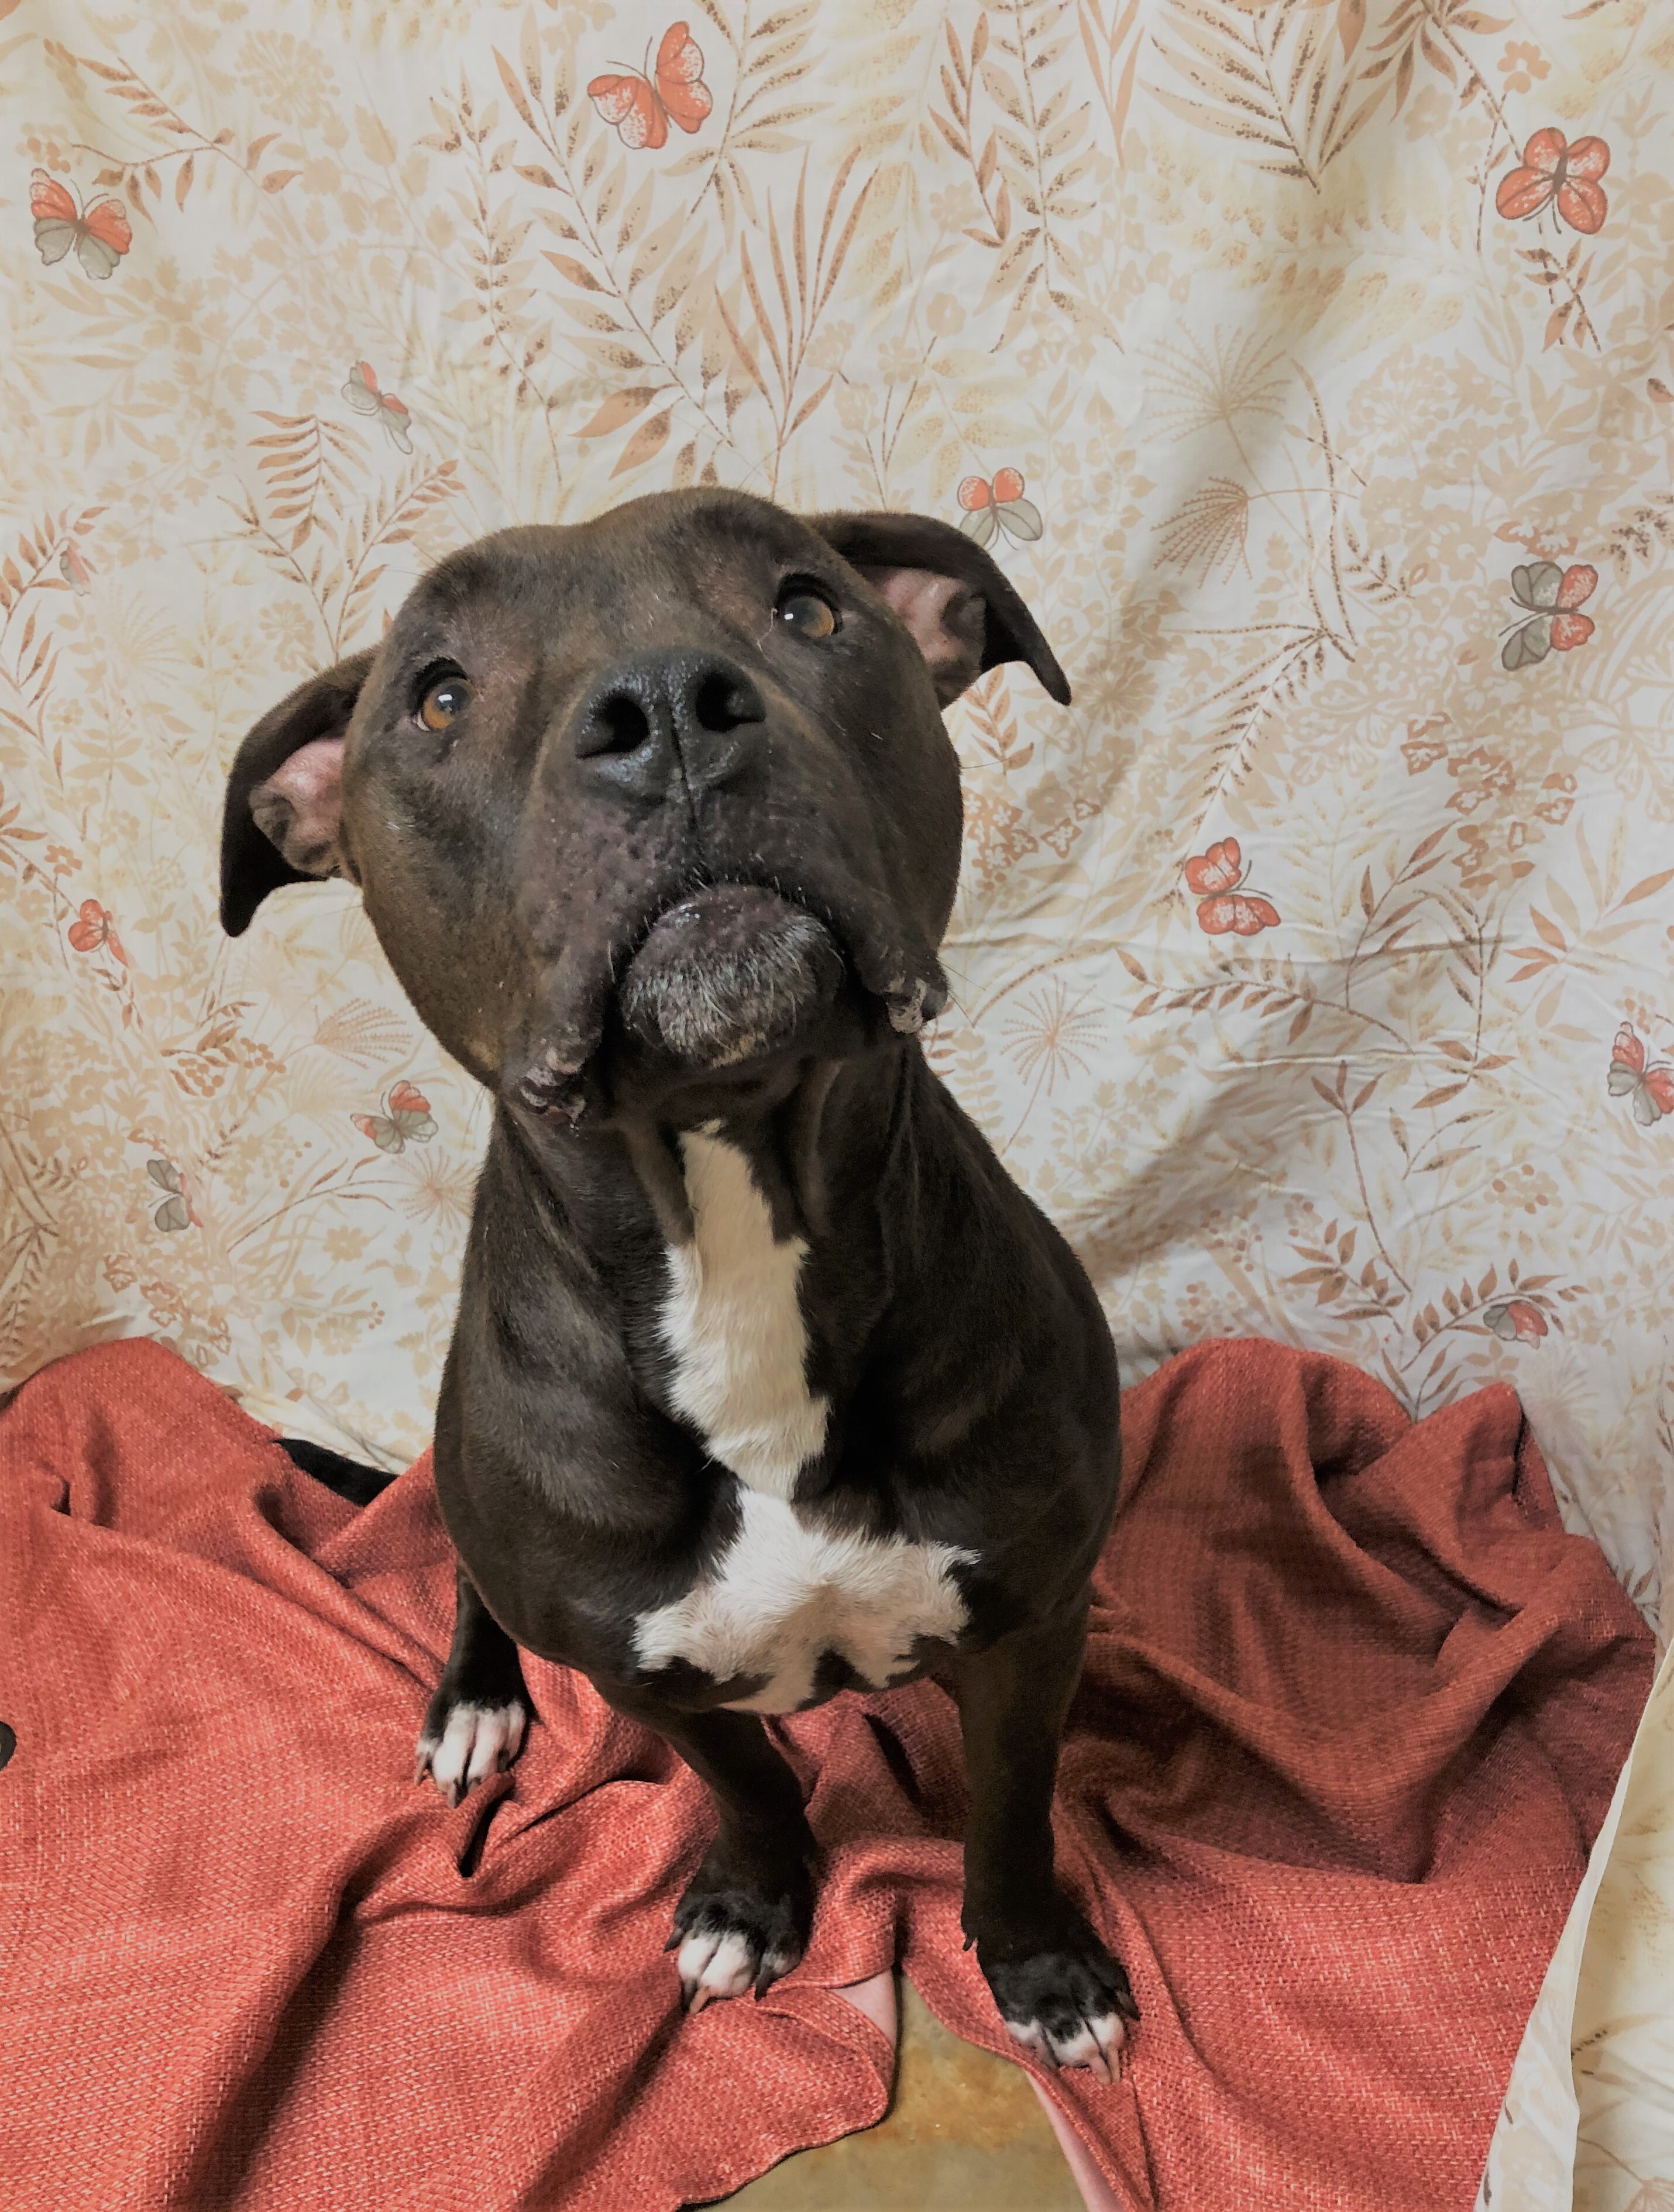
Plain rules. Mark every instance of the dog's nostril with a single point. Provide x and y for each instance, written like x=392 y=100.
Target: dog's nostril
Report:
x=623 y=723
x=665 y=714
x=721 y=702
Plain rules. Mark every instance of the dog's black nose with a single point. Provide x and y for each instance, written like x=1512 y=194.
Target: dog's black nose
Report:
x=662 y=716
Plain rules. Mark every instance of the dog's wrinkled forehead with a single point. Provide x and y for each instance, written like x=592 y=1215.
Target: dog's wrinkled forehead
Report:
x=636 y=577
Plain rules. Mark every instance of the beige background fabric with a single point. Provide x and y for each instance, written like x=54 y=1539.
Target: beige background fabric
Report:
x=1588 y=2118
x=1293 y=961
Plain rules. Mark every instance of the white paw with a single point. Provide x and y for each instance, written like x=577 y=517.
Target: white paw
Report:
x=1097 y=2040
x=474 y=1741
x=724 y=1964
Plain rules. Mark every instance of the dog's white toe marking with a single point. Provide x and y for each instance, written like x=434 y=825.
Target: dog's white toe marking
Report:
x=1110 y=2031
x=712 y=1965
x=1097 y=2045
x=1034 y=2039
x=1085 y=2048
x=476 y=1740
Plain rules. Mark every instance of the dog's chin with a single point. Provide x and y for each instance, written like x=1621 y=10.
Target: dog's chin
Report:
x=729 y=977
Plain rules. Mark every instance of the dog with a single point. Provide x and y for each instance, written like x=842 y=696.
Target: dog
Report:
x=767 y=1381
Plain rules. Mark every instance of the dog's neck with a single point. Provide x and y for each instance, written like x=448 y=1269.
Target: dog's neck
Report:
x=745 y=1262
x=815 y=1138
x=781 y=1140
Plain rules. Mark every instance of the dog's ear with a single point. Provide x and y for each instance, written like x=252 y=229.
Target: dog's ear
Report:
x=284 y=795
x=963 y=613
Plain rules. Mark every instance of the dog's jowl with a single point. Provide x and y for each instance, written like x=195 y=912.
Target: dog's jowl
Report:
x=767 y=1381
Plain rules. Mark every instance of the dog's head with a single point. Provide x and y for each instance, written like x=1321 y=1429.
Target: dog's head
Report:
x=649 y=805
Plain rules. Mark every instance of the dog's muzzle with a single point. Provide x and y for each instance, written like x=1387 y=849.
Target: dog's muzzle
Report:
x=729 y=975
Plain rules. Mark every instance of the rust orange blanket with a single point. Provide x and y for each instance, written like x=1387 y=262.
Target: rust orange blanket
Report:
x=1353 y=1711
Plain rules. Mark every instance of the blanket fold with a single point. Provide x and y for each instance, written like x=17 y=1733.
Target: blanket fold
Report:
x=1353 y=1710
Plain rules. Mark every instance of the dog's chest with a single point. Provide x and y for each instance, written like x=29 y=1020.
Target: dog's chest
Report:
x=787 y=1590
x=733 y=1325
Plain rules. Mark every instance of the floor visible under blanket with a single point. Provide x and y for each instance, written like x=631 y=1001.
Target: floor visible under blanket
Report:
x=965 y=2132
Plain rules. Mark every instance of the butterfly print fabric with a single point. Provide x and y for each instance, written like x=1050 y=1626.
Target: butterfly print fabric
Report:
x=1306 y=370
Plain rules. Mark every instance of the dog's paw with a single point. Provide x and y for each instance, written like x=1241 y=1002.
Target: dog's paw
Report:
x=1068 y=2003
x=732 y=1939
x=462 y=1742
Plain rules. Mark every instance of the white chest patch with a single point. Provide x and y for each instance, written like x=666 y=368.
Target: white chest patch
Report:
x=786 y=1590
x=732 y=1321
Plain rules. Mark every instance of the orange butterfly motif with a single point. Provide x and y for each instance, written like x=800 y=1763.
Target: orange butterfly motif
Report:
x=407 y=1120
x=364 y=395
x=1554 y=169
x=640 y=103
x=1216 y=880
x=1516 y=1321
x=1650 y=1087
x=1551 y=595
x=100 y=233
x=990 y=508
x=97 y=926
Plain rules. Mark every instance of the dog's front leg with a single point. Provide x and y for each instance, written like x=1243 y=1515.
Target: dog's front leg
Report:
x=1058 y=1989
x=476 y=1721
x=746 y=1912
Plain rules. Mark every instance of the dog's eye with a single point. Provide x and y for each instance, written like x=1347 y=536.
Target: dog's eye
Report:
x=808 y=613
x=437 y=708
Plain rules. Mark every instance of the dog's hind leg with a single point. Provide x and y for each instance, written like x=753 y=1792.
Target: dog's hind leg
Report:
x=475 y=1723
x=1059 y=1991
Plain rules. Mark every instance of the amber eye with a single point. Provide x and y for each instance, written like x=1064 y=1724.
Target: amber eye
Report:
x=443 y=701
x=807 y=613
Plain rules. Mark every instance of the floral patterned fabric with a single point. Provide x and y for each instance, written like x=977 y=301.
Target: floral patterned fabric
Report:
x=1308 y=367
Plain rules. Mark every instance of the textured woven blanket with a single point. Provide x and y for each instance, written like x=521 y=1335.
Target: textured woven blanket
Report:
x=1353 y=1710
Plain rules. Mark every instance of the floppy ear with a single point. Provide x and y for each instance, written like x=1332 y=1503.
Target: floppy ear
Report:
x=284 y=795
x=964 y=613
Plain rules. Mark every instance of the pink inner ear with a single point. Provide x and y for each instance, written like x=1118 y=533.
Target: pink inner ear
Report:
x=299 y=806
x=946 y=619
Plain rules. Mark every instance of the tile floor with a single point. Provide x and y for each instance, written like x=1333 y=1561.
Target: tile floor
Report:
x=964 y=2133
